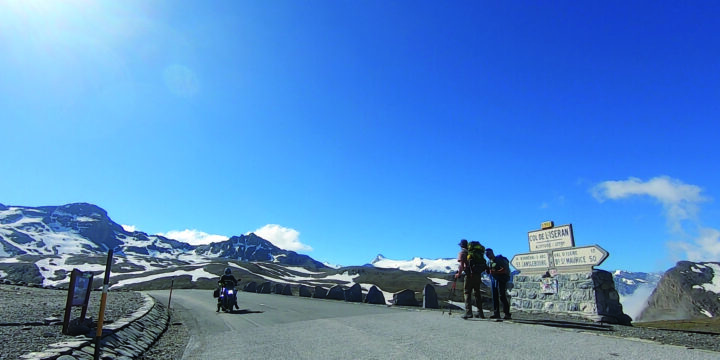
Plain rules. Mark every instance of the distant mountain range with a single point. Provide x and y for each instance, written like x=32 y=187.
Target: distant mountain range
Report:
x=86 y=229
x=42 y=244
x=416 y=264
x=626 y=283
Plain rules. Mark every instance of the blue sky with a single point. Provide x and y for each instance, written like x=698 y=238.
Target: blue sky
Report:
x=344 y=129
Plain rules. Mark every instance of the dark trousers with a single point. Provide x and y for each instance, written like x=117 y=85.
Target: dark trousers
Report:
x=499 y=294
x=472 y=283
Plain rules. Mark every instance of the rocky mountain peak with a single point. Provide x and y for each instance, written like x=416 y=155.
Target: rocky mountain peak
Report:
x=688 y=290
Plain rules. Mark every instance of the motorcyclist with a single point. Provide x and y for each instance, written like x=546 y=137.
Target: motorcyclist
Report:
x=227 y=280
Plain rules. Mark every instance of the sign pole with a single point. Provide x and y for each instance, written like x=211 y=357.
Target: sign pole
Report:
x=171 y=287
x=69 y=302
x=103 y=299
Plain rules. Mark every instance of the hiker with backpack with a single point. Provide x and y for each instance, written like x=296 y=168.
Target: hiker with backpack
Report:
x=499 y=269
x=473 y=264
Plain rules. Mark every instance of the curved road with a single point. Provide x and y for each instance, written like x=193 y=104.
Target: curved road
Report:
x=270 y=326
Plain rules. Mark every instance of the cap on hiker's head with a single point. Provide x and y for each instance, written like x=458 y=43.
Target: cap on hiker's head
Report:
x=463 y=243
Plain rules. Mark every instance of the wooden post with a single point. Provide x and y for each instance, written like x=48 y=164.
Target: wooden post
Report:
x=103 y=299
x=69 y=302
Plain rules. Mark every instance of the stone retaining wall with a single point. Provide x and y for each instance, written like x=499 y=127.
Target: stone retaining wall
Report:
x=124 y=339
x=590 y=295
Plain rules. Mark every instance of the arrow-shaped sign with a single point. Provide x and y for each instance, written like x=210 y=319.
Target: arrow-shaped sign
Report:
x=579 y=256
x=531 y=261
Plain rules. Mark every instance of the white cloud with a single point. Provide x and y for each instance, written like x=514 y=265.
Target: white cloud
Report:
x=129 y=228
x=634 y=304
x=680 y=202
x=193 y=237
x=282 y=237
x=705 y=248
x=678 y=199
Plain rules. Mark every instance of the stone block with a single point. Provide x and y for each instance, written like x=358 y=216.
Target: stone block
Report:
x=430 y=300
x=405 y=298
x=320 y=293
x=304 y=291
x=375 y=296
x=353 y=294
x=336 y=293
x=250 y=287
x=264 y=288
x=548 y=306
x=586 y=284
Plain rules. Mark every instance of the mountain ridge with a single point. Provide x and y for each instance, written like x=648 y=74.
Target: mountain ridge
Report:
x=686 y=291
x=83 y=228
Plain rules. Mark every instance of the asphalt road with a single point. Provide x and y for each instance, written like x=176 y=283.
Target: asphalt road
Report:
x=270 y=326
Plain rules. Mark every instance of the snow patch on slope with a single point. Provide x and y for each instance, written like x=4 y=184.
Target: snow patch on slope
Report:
x=416 y=264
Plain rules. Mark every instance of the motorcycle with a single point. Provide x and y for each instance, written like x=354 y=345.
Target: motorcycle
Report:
x=228 y=297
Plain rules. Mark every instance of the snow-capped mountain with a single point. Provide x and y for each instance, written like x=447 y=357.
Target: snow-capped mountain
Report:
x=627 y=283
x=416 y=264
x=74 y=229
x=688 y=290
x=251 y=247
x=86 y=229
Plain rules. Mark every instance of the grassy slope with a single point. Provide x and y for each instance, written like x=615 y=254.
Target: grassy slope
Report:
x=709 y=325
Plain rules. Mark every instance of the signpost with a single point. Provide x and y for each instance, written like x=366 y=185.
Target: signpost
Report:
x=78 y=295
x=580 y=256
x=552 y=250
x=551 y=238
x=539 y=261
x=558 y=277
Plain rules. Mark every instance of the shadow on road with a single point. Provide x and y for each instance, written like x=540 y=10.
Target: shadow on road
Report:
x=567 y=324
x=244 y=311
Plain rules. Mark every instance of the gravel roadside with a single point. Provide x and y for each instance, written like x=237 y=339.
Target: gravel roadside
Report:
x=27 y=313
x=171 y=345
x=32 y=317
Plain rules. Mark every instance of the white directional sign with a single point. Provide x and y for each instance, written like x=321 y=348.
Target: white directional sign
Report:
x=554 y=238
x=580 y=256
x=531 y=261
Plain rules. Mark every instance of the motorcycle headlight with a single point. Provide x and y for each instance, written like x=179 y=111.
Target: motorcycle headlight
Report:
x=230 y=292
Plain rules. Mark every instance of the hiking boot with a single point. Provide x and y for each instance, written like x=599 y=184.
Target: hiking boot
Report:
x=495 y=316
x=467 y=316
x=507 y=317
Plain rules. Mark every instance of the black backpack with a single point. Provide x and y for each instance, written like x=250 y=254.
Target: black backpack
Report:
x=501 y=268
